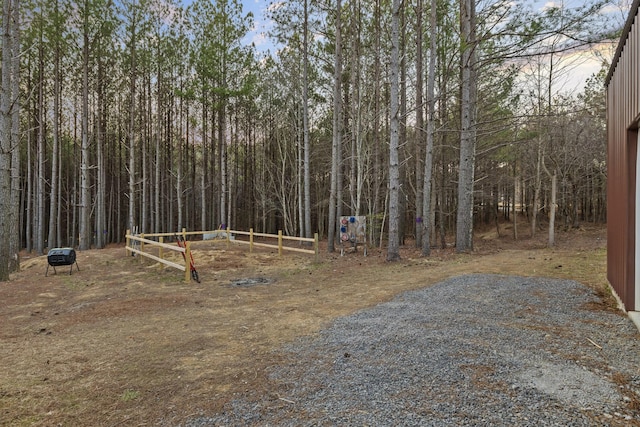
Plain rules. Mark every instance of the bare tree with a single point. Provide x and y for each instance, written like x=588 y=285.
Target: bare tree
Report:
x=132 y=220
x=14 y=233
x=464 y=223
x=41 y=147
x=53 y=205
x=357 y=159
x=305 y=123
x=431 y=104
x=337 y=132
x=100 y=139
x=378 y=171
x=419 y=128
x=393 y=249
x=85 y=194
x=5 y=141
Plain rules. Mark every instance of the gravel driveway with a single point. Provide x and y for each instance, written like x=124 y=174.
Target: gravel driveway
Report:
x=481 y=350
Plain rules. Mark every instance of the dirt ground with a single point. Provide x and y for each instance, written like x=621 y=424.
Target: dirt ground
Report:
x=124 y=342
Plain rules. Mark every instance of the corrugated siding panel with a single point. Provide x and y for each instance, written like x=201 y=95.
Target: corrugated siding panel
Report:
x=623 y=110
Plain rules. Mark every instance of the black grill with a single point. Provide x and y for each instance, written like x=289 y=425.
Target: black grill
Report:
x=61 y=256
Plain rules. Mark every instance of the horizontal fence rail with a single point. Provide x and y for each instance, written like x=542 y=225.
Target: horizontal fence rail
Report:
x=280 y=240
x=143 y=241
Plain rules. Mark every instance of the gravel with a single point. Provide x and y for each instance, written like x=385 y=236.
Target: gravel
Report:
x=475 y=350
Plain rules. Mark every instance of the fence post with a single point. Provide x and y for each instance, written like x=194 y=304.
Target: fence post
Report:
x=161 y=251
x=187 y=262
x=184 y=234
x=251 y=240
x=141 y=245
x=228 y=237
x=279 y=242
x=316 y=243
x=128 y=242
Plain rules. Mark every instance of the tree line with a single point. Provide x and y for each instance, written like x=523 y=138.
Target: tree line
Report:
x=427 y=116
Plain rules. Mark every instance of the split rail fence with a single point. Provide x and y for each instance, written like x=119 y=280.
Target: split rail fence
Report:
x=145 y=239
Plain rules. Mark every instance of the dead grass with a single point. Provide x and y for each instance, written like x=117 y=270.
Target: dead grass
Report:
x=125 y=342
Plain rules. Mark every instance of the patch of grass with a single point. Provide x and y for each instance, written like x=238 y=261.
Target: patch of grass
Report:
x=72 y=284
x=129 y=395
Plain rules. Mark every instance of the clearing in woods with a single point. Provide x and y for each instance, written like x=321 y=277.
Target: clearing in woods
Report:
x=123 y=341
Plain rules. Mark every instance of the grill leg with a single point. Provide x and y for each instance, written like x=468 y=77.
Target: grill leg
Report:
x=47 y=270
x=71 y=269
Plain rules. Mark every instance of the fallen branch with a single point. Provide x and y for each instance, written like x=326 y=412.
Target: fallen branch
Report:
x=287 y=400
x=589 y=339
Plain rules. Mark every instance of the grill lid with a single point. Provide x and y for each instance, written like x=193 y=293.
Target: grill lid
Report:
x=61 y=256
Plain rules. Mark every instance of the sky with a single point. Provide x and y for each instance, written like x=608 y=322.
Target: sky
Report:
x=587 y=65
x=261 y=24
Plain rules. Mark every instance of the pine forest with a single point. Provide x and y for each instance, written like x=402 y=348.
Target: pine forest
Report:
x=429 y=117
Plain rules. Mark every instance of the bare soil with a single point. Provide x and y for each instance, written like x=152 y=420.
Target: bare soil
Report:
x=126 y=342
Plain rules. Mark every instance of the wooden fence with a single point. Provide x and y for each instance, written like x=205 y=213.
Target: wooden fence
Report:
x=280 y=240
x=144 y=240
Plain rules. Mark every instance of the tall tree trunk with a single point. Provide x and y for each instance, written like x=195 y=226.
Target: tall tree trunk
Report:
x=144 y=205
x=428 y=161
x=515 y=200
x=357 y=110
x=419 y=128
x=179 y=168
x=204 y=160
x=402 y=119
x=5 y=142
x=101 y=187
x=73 y=235
x=40 y=185
x=14 y=232
x=377 y=167
x=85 y=202
x=299 y=177
x=132 y=122
x=537 y=187
x=305 y=124
x=464 y=222
x=337 y=133
x=393 y=247
x=157 y=224
x=222 y=147
x=552 y=210
x=28 y=229
x=53 y=205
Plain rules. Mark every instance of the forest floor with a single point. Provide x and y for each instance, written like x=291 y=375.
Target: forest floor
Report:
x=124 y=342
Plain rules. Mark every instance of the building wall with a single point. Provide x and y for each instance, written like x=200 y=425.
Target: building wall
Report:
x=623 y=113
